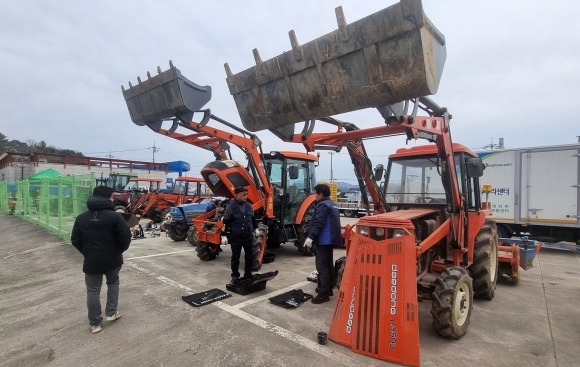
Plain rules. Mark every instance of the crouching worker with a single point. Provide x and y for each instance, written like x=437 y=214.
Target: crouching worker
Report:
x=101 y=235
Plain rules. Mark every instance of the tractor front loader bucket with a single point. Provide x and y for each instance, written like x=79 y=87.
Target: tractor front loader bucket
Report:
x=382 y=59
x=164 y=96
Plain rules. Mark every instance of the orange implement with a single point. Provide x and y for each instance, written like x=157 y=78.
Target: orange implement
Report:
x=376 y=311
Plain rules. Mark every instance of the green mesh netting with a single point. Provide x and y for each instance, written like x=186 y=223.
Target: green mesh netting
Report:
x=52 y=202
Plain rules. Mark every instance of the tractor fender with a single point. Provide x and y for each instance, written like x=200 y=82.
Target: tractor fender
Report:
x=305 y=204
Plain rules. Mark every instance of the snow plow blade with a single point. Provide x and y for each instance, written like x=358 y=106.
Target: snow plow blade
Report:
x=384 y=58
x=164 y=96
x=376 y=311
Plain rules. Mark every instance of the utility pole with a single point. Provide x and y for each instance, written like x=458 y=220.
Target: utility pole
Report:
x=155 y=150
x=331 y=173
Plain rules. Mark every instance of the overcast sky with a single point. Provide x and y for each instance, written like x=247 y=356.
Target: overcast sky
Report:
x=511 y=69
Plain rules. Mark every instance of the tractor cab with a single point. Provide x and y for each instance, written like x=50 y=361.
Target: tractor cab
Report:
x=414 y=178
x=194 y=187
x=293 y=178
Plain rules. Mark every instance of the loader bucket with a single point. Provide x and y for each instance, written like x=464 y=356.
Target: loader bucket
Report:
x=164 y=96
x=384 y=58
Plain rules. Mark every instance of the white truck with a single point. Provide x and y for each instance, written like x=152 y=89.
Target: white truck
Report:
x=535 y=193
x=351 y=204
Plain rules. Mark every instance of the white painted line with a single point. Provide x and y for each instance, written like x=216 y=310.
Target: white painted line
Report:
x=235 y=310
x=270 y=295
x=34 y=249
x=166 y=253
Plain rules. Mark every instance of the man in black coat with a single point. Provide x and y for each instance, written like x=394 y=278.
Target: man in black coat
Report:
x=241 y=228
x=101 y=235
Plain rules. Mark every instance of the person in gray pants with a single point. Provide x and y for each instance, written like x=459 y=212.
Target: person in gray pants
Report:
x=101 y=235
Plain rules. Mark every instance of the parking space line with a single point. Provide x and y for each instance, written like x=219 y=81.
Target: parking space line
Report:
x=286 y=334
x=49 y=245
x=270 y=295
x=163 y=254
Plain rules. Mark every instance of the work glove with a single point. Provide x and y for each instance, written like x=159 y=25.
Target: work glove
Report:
x=308 y=243
x=257 y=233
x=224 y=241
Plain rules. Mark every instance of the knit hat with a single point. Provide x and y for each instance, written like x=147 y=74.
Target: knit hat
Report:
x=103 y=191
x=240 y=189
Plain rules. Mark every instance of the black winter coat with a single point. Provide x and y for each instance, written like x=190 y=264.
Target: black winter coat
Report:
x=101 y=235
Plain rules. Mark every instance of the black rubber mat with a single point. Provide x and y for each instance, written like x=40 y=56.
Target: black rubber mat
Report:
x=205 y=298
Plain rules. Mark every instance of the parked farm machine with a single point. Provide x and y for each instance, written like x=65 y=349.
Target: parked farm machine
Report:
x=280 y=184
x=433 y=240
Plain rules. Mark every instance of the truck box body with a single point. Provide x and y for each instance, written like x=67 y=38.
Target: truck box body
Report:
x=535 y=191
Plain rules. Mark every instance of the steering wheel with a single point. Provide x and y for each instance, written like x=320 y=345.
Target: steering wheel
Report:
x=426 y=200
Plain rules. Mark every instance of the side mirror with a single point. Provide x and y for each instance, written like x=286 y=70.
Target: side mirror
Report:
x=379 y=170
x=474 y=167
x=269 y=169
x=293 y=172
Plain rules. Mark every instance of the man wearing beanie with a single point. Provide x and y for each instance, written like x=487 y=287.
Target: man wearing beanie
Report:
x=240 y=222
x=101 y=235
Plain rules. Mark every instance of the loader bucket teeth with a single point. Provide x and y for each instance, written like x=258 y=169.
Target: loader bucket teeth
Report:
x=165 y=96
x=384 y=58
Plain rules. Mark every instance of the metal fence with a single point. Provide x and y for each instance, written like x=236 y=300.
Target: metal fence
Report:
x=52 y=203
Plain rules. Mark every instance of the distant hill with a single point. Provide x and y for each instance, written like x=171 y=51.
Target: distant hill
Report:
x=17 y=146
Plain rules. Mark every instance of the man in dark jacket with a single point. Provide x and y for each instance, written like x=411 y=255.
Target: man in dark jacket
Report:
x=101 y=235
x=325 y=232
x=240 y=222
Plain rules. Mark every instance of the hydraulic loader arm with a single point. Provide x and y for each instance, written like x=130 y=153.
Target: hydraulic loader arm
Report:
x=171 y=96
x=434 y=128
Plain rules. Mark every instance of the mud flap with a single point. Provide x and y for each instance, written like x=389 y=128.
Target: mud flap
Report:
x=376 y=311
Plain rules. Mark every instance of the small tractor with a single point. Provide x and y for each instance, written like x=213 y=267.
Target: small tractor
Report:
x=280 y=183
x=155 y=204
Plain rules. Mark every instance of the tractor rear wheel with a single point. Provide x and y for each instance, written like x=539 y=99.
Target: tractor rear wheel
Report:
x=452 y=302
x=207 y=251
x=178 y=233
x=484 y=269
x=192 y=237
x=303 y=230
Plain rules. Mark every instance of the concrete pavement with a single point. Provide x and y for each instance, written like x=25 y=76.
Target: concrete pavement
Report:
x=43 y=314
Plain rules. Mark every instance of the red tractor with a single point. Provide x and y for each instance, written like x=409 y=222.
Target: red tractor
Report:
x=155 y=204
x=429 y=238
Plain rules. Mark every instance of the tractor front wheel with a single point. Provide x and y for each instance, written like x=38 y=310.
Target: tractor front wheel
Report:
x=207 y=251
x=339 y=265
x=192 y=237
x=303 y=231
x=258 y=244
x=452 y=302
x=177 y=233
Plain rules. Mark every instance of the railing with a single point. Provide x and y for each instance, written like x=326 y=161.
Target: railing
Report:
x=52 y=203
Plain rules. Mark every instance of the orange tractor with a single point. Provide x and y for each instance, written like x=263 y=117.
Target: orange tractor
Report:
x=429 y=238
x=280 y=183
x=155 y=204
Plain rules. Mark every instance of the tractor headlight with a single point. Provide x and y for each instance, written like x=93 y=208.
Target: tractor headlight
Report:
x=399 y=233
x=363 y=230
